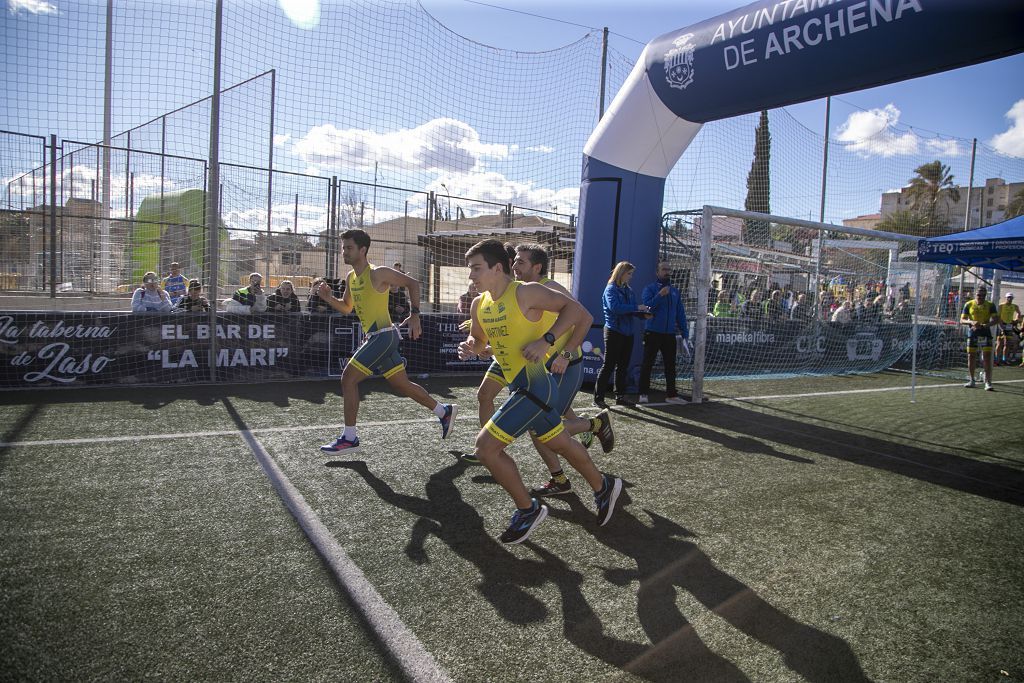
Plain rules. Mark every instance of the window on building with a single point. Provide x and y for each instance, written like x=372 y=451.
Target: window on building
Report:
x=291 y=258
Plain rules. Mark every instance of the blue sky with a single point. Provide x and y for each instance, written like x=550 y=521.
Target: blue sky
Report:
x=381 y=93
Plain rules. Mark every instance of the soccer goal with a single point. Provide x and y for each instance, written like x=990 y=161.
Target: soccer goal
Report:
x=773 y=296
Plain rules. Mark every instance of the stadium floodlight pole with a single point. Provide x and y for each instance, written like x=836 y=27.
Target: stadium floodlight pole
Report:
x=700 y=329
x=212 y=188
x=967 y=217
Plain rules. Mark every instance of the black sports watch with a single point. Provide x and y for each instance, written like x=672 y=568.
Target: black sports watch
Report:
x=549 y=338
x=414 y=310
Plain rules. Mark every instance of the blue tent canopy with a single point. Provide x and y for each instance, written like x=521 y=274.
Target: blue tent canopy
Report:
x=995 y=246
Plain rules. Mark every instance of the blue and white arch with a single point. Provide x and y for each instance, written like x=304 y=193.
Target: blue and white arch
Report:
x=768 y=54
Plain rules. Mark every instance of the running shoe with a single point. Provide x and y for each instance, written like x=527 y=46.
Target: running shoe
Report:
x=470 y=458
x=523 y=523
x=678 y=400
x=969 y=385
x=604 y=433
x=587 y=438
x=644 y=398
x=605 y=498
x=448 y=421
x=551 y=488
x=989 y=387
x=341 y=445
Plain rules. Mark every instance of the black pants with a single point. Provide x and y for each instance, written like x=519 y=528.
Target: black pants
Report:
x=617 y=350
x=655 y=342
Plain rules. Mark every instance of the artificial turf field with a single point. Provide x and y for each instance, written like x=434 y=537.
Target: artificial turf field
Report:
x=819 y=529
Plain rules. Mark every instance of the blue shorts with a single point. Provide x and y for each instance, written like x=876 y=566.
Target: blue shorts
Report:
x=979 y=340
x=568 y=383
x=379 y=354
x=494 y=373
x=530 y=406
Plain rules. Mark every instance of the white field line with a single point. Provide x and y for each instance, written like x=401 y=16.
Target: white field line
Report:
x=849 y=391
x=408 y=652
x=330 y=429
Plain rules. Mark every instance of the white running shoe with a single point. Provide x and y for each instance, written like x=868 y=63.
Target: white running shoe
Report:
x=970 y=385
x=675 y=399
x=644 y=398
x=989 y=387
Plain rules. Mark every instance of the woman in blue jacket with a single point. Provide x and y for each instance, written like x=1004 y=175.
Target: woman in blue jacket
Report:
x=620 y=312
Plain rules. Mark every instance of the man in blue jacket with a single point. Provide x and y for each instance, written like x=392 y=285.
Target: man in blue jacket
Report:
x=669 y=319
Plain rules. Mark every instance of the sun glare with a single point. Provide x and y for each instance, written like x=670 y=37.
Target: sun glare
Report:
x=302 y=13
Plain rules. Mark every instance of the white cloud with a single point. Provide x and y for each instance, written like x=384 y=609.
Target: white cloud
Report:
x=872 y=133
x=31 y=6
x=1012 y=141
x=495 y=188
x=441 y=145
x=543 y=149
x=282 y=139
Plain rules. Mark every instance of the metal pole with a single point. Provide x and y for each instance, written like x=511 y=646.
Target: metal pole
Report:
x=270 y=168
x=213 y=189
x=913 y=355
x=604 y=71
x=967 y=220
x=821 y=211
x=104 y=245
x=700 y=331
x=53 y=216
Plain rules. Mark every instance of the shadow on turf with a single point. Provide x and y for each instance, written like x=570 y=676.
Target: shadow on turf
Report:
x=989 y=480
x=14 y=432
x=664 y=561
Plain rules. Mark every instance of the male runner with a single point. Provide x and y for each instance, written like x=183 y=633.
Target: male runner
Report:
x=1006 y=339
x=530 y=264
x=508 y=316
x=979 y=315
x=367 y=294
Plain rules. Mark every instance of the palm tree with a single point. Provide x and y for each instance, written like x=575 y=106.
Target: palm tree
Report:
x=1016 y=206
x=932 y=192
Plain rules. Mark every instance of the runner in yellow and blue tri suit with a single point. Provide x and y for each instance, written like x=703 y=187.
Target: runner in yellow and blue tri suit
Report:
x=367 y=295
x=530 y=264
x=507 y=316
x=979 y=315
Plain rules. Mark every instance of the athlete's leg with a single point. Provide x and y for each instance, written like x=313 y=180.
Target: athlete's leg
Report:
x=403 y=386
x=549 y=457
x=972 y=360
x=986 y=355
x=486 y=393
x=350 y=379
x=503 y=468
x=576 y=455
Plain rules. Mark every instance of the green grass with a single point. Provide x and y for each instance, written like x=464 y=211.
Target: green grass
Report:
x=850 y=536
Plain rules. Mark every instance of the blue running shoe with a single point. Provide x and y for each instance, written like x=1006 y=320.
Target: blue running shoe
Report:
x=448 y=421
x=523 y=524
x=342 y=445
x=606 y=497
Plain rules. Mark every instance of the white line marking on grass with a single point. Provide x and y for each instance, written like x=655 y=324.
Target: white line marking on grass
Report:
x=847 y=391
x=192 y=435
x=406 y=649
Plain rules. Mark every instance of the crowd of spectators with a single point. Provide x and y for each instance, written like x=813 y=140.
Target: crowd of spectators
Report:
x=867 y=305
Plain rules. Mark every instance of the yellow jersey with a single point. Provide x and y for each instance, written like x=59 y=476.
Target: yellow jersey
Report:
x=979 y=312
x=1008 y=313
x=370 y=305
x=508 y=331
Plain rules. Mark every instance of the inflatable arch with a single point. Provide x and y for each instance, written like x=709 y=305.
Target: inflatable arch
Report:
x=768 y=54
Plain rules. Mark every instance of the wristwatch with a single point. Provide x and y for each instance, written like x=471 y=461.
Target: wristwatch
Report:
x=566 y=354
x=549 y=338
x=414 y=310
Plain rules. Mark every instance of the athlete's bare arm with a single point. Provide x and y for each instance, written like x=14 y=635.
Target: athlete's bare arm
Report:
x=383 y=277
x=476 y=343
x=342 y=305
x=534 y=298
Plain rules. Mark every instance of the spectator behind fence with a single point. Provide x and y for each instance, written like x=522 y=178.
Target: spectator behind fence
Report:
x=175 y=284
x=249 y=299
x=284 y=299
x=844 y=313
x=193 y=300
x=801 y=310
x=773 y=309
x=752 y=307
x=724 y=307
x=398 y=299
x=903 y=313
x=466 y=300
x=149 y=298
